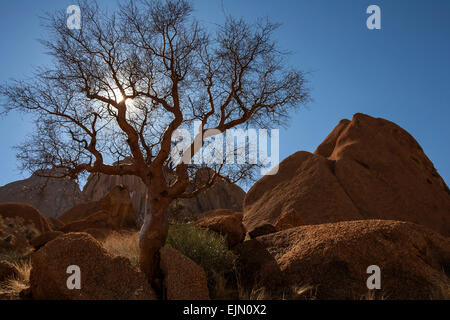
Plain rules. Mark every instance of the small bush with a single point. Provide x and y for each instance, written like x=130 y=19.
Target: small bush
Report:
x=208 y=249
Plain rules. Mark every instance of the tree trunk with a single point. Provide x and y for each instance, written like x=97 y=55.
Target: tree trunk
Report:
x=152 y=237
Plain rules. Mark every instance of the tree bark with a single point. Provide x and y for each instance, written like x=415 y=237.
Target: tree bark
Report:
x=153 y=236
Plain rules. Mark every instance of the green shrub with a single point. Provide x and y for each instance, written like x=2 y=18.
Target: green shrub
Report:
x=208 y=249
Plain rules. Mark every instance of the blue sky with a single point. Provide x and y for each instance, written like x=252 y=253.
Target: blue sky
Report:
x=401 y=72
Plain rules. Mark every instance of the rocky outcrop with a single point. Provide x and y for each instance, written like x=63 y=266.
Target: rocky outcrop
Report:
x=225 y=222
x=222 y=195
x=24 y=214
x=55 y=223
x=113 y=211
x=50 y=196
x=183 y=278
x=257 y=268
x=262 y=230
x=98 y=185
x=103 y=276
x=367 y=168
x=386 y=174
x=304 y=191
x=333 y=259
x=42 y=239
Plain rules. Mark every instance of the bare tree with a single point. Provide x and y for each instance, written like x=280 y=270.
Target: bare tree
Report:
x=119 y=87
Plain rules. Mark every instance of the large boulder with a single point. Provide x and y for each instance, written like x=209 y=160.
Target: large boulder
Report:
x=20 y=223
x=98 y=185
x=333 y=259
x=222 y=195
x=261 y=230
x=114 y=211
x=183 y=278
x=14 y=237
x=103 y=276
x=225 y=222
x=39 y=192
x=42 y=239
x=24 y=214
x=55 y=223
x=256 y=268
x=367 y=168
x=386 y=174
x=304 y=191
x=98 y=220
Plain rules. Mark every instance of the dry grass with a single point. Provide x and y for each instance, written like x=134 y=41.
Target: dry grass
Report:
x=11 y=256
x=304 y=292
x=442 y=292
x=13 y=286
x=296 y=292
x=372 y=295
x=125 y=245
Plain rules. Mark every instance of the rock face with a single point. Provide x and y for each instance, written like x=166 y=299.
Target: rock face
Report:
x=103 y=276
x=304 y=191
x=225 y=222
x=386 y=173
x=262 y=230
x=333 y=258
x=55 y=223
x=367 y=168
x=222 y=195
x=256 y=267
x=114 y=211
x=42 y=239
x=183 y=278
x=50 y=196
x=98 y=185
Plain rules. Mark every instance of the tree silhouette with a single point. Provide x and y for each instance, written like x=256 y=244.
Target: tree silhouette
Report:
x=119 y=87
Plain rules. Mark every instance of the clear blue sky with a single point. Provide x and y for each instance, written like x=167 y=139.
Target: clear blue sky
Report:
x=401 y=72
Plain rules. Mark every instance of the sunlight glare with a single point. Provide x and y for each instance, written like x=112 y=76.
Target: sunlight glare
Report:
x=118 y=96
